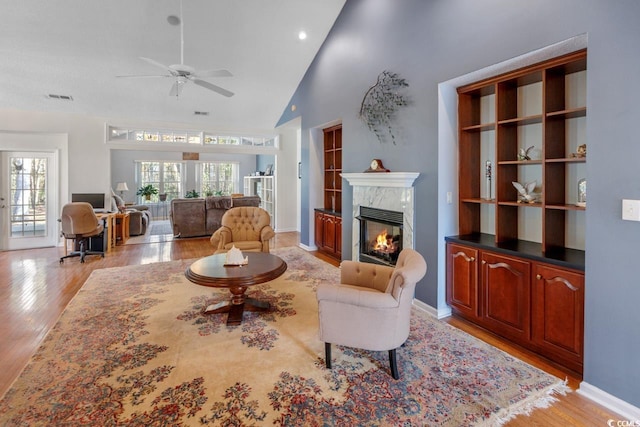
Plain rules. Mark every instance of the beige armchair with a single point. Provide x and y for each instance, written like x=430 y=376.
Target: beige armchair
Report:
x=371 y=308
x=247 y=228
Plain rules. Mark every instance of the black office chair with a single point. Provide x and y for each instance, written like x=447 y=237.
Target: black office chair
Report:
x=79 y=222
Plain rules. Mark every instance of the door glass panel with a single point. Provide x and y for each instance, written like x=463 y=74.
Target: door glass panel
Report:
x=28 y=196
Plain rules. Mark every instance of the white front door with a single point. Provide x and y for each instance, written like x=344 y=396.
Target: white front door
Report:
x=28 y=200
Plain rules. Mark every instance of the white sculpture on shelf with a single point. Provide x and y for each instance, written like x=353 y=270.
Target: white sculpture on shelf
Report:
x=234 y=257
x=523 y=154
x=525 y=192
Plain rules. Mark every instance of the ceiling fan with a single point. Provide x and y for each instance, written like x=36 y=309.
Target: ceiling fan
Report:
x=183 y=73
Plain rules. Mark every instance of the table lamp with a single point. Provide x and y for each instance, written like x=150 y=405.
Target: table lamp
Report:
x=122 y=187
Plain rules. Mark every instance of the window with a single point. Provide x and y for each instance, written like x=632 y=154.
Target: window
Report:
x=28 y=201
x=218 y=178
x=167 y=177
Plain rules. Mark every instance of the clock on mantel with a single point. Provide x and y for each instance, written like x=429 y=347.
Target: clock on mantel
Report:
x=376 y=166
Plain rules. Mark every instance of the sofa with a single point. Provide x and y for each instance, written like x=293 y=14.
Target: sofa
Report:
x=202 y=216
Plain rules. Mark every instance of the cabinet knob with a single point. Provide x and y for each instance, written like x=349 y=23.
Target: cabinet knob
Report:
x=484 y=262
x=538 y=276
x=472 y=259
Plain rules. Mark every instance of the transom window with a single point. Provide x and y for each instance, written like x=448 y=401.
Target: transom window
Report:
x=168 y=136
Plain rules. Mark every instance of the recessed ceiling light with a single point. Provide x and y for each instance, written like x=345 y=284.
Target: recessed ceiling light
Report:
x=302 y=35
x=173 y=20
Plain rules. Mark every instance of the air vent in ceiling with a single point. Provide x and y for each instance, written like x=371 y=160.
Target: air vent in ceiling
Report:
x=201 y=113
x=61 y=97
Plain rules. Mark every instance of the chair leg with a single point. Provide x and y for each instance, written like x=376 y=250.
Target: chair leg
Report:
x=394 y=364
x=83 y=251
x=327 y=354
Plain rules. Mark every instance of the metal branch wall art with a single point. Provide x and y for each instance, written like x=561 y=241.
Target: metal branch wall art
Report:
x=380 y=104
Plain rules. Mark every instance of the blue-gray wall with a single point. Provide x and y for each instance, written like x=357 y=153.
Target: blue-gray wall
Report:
x=431 y=41
x=263 y=161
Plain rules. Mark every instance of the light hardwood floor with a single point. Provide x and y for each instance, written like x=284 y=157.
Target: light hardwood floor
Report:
x=35 y=288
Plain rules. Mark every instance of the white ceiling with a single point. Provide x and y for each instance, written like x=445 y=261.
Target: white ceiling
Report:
x=78 y=47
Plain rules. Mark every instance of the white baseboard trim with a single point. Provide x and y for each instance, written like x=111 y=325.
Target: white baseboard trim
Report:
x=425 y=307
x=286 y=230
x=307 y=248
x=627 y=411
x=438 y=314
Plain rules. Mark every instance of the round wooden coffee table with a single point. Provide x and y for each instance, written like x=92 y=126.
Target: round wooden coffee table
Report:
x=211 y=271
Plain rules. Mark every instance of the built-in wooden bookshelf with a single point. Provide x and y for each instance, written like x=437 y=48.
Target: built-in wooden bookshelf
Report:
x=328 y=220
x=333 y=168
x=542 y=106
x=517 y=268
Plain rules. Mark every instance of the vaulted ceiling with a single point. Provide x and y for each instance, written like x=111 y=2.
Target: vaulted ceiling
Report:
x=77 y=48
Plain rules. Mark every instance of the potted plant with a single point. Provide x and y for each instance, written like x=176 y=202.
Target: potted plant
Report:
x=192 y=194
x=147 y=191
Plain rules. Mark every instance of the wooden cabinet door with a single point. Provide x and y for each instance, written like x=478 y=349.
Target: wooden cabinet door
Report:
x=462 y=280
x=506 y=283
x=329 y=235
x=558 y=314
x=319 y=229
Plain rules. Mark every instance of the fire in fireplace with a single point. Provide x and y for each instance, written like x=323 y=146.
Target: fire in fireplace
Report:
x=380 y=235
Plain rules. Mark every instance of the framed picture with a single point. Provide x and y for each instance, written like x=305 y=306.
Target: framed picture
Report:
x=269 y=170
x=190 y=156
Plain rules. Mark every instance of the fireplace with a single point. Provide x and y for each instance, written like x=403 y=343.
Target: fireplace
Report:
x=390 y=191
x=380 y=235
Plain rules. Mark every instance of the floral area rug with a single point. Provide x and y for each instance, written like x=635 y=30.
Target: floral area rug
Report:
x=133 y=348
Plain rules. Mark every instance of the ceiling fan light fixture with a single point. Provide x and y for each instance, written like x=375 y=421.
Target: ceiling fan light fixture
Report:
x=183 y=73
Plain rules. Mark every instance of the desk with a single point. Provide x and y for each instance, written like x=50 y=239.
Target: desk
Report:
x=122 y=228
x=211 y=271
x=109 y=224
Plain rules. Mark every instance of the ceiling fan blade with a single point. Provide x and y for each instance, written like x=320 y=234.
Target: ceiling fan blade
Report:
x=143 y=76
x=213 y=73
x=177 y=87
x=213 y=87
x=157 y=64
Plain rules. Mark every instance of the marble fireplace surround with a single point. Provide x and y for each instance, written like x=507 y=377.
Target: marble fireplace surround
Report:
x=393 y=191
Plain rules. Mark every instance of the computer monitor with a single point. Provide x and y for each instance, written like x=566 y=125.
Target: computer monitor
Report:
x=95 y=199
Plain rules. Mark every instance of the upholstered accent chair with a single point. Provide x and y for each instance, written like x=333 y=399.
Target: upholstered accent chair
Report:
x=371 y=308
x=79 y=222
x=139 y=215
x=247 y=228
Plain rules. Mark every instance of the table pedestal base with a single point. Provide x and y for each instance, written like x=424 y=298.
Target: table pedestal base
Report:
x=237 y=305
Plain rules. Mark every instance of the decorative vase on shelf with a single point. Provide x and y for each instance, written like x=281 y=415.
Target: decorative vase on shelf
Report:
x=488 y=180
x=582 y=193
